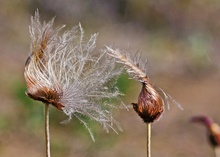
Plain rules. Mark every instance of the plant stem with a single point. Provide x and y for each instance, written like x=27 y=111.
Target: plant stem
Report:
x=148 y=139
x=217 y=151
x=47 y=132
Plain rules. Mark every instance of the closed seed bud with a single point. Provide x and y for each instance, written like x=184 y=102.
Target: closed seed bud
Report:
x=212 y=127
x=150 y=104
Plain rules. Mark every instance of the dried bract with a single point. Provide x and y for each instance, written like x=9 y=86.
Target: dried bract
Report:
x=65 y=71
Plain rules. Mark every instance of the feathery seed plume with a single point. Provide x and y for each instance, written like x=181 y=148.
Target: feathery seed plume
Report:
x=63 y=70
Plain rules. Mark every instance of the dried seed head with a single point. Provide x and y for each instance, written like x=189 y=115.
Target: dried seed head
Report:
x=40 y=85
x=46 y=96
x=65 y=71
x=150 y=104
x=212 y=127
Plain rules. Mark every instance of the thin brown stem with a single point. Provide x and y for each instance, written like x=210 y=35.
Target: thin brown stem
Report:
x=148 y=139
x=47 y=132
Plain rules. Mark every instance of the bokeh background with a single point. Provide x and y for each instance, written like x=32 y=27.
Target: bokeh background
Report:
x=179 y=38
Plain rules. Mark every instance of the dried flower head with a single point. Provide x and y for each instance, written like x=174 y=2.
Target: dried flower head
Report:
x=63 y=70
x=212 y=127
x=150 y=104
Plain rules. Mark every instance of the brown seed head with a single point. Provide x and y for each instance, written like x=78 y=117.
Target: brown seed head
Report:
x=46 y=96
x=150 y=104
x=37 y=91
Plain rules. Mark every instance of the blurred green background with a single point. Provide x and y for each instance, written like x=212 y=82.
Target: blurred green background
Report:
x=180 y=39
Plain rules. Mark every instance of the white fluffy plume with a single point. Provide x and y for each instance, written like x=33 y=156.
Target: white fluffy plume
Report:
x=63 y=69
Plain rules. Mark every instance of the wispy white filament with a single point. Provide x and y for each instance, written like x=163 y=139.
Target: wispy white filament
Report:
x=68 y=65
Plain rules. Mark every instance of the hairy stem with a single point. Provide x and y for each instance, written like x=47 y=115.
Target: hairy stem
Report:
x=148 y=139
x=47 y=132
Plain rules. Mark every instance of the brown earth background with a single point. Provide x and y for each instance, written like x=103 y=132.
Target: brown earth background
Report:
x=180 y=39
